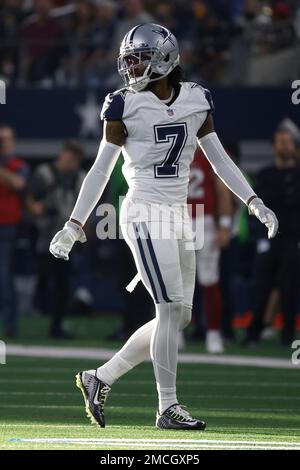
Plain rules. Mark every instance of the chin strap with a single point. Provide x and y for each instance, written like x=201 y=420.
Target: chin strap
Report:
x=153 y=79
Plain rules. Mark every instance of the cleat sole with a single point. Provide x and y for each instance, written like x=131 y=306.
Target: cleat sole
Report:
x=180 y=429
x=89 y=414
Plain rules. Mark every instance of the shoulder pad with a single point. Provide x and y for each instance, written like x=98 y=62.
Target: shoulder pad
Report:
x=113 y=106
x=207 y=94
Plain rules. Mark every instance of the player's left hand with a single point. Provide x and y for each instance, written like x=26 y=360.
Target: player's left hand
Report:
x=264 y=215
x=62 y=243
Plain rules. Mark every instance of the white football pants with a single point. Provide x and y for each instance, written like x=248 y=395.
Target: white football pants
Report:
x=165 y=260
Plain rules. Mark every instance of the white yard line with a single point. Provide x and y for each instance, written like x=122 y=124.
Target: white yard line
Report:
x=104 y=354
x=272 y=374
x=181 y=447
x=236 y=409
x=145 y=395
x=124 y=427
x=163 y=443
x=191 y=383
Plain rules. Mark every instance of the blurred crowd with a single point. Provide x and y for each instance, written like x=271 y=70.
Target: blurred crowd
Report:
x=75 y=42
x=238 y=270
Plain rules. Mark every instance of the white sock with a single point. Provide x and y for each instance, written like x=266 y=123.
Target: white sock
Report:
x=164 y=351
x=167 y=397
x=134 y=351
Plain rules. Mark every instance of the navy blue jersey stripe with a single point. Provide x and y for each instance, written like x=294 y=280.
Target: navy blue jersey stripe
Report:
x=113 y=107
x=209 y=99
x=142 y=253
x=155 y=264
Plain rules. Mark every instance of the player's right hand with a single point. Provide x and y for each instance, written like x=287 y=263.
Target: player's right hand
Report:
x=62 y=243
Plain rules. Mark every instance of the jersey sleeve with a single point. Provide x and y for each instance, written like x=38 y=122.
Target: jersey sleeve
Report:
x=203 y=97
x=113 y=107
x=209 y=99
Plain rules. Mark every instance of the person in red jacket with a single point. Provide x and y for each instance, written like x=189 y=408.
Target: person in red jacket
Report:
x=13 y=172
x=208 y=190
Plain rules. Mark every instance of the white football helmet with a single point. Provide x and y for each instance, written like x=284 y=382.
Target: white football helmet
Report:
x=147 y=49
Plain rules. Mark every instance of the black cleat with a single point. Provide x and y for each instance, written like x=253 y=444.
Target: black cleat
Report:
x=176 y=417
x=94 y=392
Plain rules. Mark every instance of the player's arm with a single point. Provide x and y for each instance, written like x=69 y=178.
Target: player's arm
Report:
x=97 y=178
x=91 y=190
x=230 y=174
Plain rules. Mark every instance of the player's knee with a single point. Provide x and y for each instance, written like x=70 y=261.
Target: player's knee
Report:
x=186 y=317
x=175 y=298
x=170 y=311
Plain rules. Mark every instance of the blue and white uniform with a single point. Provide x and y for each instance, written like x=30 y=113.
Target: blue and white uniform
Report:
x=160 y=144
x=161 y=139
x=159 y=148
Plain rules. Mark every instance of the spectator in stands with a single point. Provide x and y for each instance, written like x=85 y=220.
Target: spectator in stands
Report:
x=53 y=190
x=133 y=14
x=83 y=23
x=41 y=38
x=11 y=16
x=81 y=34
x=63 y=41
x=99 y=67
x=209 y=39
x=289 y=125
x=13 y=175
x=105 y=22
x=165 y=14
x=277 y=261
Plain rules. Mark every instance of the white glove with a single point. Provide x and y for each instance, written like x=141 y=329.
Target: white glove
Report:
x=62 y=243
x=264 y=215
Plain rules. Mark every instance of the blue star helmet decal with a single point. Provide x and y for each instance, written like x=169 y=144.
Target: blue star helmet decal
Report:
x=165 y=34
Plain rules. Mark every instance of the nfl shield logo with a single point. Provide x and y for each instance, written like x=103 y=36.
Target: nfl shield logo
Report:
x=170 y=112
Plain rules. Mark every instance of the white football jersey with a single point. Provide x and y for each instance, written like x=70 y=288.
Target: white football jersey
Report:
x=161 y=139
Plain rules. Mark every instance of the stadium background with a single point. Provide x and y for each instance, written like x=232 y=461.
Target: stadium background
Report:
x=245 y=51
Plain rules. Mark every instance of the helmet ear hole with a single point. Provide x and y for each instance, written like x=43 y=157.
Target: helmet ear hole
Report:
x=167 y=58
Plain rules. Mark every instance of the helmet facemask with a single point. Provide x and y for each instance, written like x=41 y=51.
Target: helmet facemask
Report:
x=136 y=67
x=148 y=52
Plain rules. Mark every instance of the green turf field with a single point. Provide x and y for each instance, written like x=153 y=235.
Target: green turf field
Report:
x=245 y=407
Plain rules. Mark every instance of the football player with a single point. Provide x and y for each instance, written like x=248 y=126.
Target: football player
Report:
x=156 y=121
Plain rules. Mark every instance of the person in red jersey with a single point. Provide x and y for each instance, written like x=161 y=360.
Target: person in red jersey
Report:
x=209 y=191
x=13 y=173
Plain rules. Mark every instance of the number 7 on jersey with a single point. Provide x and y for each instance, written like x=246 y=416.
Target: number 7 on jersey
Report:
x=176 y=135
